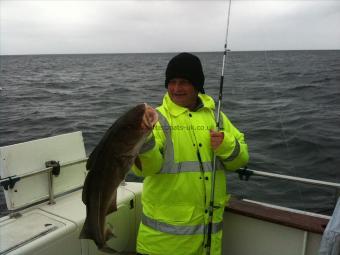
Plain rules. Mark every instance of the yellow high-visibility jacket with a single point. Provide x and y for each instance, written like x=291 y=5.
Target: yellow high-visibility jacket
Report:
x=176 y=162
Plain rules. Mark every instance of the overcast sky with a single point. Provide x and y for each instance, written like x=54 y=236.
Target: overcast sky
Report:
x=111 y=26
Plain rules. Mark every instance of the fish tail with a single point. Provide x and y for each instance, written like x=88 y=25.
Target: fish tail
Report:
x=107 y=249
x=85 y=233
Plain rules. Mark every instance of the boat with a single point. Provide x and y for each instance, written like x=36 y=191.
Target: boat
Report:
x=43 y=181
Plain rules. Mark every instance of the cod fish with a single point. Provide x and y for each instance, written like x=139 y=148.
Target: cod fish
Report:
x=108 y=164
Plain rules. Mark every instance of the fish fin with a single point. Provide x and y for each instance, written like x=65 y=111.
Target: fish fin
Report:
x=100 y=148
x=84 y=233
x=85 y=186
x=91 y=158
x=138 y=163
x=89 y=162
x=113 y=205
x=109 y=234
x=112 y=208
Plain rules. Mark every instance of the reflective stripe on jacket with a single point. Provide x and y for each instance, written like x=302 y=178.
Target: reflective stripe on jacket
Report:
x=176 y=164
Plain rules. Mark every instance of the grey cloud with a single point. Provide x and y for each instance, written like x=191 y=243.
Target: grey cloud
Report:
x=159 y=26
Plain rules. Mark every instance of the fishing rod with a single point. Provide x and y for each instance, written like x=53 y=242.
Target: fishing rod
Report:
x=218 y=117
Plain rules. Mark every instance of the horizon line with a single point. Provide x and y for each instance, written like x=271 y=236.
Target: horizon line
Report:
x=164 y=52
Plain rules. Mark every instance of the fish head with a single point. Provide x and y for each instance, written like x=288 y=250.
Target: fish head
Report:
x=141 y=117
x=138 y=124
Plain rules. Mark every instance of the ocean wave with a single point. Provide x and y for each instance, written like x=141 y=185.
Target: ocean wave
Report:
x=288 y=112
x=323 y=80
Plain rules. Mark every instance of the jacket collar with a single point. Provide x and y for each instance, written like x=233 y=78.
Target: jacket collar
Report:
x=175 y=110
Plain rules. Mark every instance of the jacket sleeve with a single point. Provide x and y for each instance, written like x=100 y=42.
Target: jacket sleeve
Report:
x=233 y=151
x=151 y=155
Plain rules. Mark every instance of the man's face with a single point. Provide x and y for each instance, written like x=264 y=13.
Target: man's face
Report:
x=182 y=93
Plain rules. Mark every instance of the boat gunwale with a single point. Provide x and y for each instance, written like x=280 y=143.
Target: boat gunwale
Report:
x=287 y=218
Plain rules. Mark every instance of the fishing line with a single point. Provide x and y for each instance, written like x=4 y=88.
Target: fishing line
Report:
x=283 y=131
x=212 y=192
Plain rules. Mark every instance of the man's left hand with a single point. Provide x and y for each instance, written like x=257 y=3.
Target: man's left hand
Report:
x=216 y=138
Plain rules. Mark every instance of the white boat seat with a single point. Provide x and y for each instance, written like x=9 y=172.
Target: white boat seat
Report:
x=25 y=158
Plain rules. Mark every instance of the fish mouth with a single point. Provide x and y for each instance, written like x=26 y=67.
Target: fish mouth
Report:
x=150 y=117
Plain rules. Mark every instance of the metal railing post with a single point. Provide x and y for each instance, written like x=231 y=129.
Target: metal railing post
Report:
x=50 y=188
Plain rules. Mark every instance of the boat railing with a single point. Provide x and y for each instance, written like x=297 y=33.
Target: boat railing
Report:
x=52 y=169
x=246 y=173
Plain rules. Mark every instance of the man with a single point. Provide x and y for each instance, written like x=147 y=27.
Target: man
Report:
x=176 y=162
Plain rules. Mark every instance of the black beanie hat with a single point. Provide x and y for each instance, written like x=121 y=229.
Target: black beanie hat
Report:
x=186 y=66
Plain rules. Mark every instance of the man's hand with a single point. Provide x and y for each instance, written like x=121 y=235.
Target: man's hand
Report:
x=216 y=138
x=150 y=118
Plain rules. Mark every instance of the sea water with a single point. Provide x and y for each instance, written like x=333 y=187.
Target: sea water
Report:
x=287 y=103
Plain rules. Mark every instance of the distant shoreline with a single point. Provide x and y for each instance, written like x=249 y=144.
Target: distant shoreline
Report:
x=125 y=53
